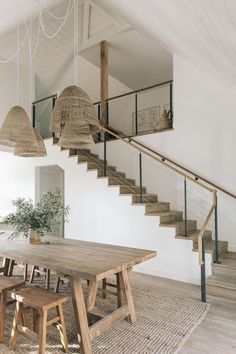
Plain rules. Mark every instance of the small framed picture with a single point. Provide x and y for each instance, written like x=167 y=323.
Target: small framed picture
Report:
x=146 y=120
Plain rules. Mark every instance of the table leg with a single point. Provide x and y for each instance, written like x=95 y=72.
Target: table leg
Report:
x=128 y=298
x=3 y=299
x=92 y=293
x=6 y=266
x=81 y=316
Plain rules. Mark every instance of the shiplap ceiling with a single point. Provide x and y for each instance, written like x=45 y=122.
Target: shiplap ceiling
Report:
x=12 y=11
x=129 y=51
x=201 y=31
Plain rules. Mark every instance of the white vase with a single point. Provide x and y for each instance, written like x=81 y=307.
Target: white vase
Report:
x=34 y=237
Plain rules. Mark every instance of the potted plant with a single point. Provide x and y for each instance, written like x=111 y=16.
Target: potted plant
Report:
x=33 y=221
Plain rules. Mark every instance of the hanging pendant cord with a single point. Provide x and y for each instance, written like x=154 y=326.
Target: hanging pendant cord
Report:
x=17 y=65
x=76 y=41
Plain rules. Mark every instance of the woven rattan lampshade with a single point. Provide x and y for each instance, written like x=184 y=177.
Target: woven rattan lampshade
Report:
x=16 y=123
x=73 y=105
x=76 y=136
x=37 y=149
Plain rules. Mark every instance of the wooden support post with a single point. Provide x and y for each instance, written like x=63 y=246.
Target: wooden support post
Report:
x=104 y=80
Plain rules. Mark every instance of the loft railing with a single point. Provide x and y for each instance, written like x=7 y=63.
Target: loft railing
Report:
x=141 y=111
x=209 y=221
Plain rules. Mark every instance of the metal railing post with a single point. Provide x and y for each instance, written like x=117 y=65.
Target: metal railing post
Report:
x=105 y=140
x=185 y=208
x=33 y=116
x=53 y=105
x=171 y=105
x=140 y=178
x=136 y=113
x=216 y=253
x=203 y=273
x=99 y=118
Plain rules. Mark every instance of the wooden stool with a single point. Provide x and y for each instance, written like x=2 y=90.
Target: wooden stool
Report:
x=6 y=284
x=63 y=279
x=45 y=272
x=41 y=301
x=14 y=264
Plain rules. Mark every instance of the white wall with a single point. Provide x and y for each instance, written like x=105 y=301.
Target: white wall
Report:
x=89 y=81
x=98 y=213
x=203 y=140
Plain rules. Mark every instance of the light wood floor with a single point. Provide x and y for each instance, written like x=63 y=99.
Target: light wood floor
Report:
x=217 y=332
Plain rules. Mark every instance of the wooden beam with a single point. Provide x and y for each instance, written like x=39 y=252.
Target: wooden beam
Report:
x=104 y=80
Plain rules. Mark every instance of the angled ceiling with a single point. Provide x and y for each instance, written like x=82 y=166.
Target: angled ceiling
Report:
x=134 y=60
x=203 y=31
x=13 y=11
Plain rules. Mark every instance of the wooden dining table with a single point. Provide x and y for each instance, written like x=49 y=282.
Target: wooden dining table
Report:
x=81 y=260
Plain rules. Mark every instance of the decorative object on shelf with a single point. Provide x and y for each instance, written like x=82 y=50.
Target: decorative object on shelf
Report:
x=146 y=119
x=163 y=122
x=25 y=149
x=34 y=221
x=74 y=117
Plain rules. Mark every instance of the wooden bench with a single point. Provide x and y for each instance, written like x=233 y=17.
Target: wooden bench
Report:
x=23 y=266
x=6 y=284
x=45 y=272
x=41 y=301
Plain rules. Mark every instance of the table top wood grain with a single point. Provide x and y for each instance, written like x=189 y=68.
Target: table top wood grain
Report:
x=82 y=259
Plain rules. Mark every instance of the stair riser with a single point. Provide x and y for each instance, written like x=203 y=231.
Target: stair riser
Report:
x=110 y=173
x=191 y=226
x=145 y=199
x=224 y=272
x=208 y=237
x=117 y=181
x=221 y=292
x=130 y=189
x=157 y=208
x=94 y=165
x=165 y=219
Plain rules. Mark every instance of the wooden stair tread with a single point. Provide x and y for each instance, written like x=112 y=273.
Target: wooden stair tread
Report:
x=225 y=282
x=226 y=263
x=170 y=212
x=176 y=223
x=194 y=235
x=222 y=246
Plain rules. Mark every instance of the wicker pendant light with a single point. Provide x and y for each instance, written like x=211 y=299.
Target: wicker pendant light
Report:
x=75 y=112
x=76 y=136
x=37 y=149
x=15 y=122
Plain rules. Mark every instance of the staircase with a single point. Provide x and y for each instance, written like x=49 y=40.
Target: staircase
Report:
x=222 y=282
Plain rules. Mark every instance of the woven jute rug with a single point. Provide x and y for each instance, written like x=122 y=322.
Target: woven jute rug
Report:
x=164 y=322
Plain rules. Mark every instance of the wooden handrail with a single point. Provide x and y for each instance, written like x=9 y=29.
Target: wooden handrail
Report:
x=45 y=98
x=147 y=153
x=196 y=175
x=203 y=229
x=122 y=136
x=135 y=91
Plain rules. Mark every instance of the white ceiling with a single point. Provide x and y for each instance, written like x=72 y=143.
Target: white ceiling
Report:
x=201 y=31
x=12 y=11
x=134 y=59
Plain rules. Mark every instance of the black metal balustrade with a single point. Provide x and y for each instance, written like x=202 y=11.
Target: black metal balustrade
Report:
x=107 y=133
